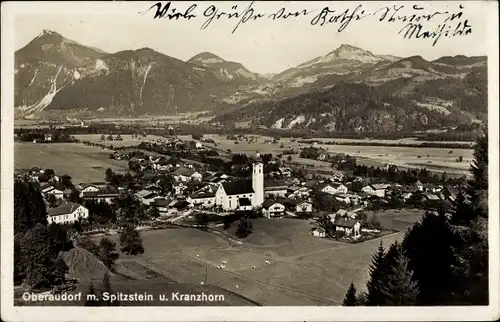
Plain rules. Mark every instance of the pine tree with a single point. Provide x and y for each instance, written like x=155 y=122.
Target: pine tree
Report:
x=130 y=241
x=91 y=298
x=374 y=296
x=107 y=252
x=462 y=212
x=399 y=288
x=350 y=297
x=106 y=288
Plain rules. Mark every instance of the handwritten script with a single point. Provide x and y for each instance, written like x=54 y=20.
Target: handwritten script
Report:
x=410 y=21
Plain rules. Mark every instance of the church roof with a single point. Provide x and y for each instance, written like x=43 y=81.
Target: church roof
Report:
x=238 y=187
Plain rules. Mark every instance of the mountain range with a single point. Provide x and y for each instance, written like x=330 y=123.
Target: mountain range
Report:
x=346 y=89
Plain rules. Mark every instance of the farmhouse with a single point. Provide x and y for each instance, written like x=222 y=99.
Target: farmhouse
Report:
x=276 y=191
x=52 y=190
x=333 y=188
x=273 y=209
x=205 y=199
x=186 y=174
x=162 y=205
x=229 y=193
x=67 y=213
x=350 y=227
x=107 y=194
x=285 y=171
x=319 y=232
x=375 y=189
x=88 y=187
x=304 y=206
x=145 y=196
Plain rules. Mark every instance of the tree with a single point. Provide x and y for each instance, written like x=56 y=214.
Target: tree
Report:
x=66 y=181
x=103 y=137
x=52 y=201
x=374 y=284
x=325 y=222
x=350 y=297
x=202 y=220
x=91 y=298
x=107 y=252
x=108 y=175
x=77 y=226
x=130 y=241
x=154 y=212
x=60 y=270
x=37 y=257
x=60 y=239
x=29 y=207
x=399 y=288
x=106 y=288
x=462 y=210
x=289 y=158
x=244 y=228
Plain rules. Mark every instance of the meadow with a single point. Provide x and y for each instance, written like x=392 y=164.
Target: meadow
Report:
x=436 y=158
x=302 y=269
x=128 y=139
x=82 y=163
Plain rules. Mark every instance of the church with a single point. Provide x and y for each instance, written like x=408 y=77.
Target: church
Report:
x=242 y=194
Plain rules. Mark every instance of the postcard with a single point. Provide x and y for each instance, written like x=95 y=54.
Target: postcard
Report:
x=250 y=161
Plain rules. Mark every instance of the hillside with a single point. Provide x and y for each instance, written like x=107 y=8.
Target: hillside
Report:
x=228 y=70
x=351 y=107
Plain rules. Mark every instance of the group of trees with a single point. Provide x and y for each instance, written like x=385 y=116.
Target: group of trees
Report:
x=37 y=248
x=110 y=137
x=92 y=298
x=57 y=136
x=442 y=260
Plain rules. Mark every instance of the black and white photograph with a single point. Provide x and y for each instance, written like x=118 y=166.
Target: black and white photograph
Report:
x=250 y=161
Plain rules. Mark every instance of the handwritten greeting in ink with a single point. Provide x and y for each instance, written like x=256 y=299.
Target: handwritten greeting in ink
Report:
x=410 y=21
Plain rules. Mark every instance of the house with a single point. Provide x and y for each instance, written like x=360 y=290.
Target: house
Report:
x=67 y=213
x=276 y=191
x=162 y=205
x=48 y=137
x=57 y=193
x=376 y=189
x=345 y=214
x=106 y=194
x=407 y=196
x=204 y=199
x=146 y=196
x=304 y=206
x=179 y=188
x=342 y=197
x=88 y=187
x=332 y=188
x=419 y=185
x=273 y=209
x=319 y=232
x=295 y=192
x=228 y=193
x=198 y=145
x=427 y=196
x=183 y=174
x=285 y=171
x=351 y=227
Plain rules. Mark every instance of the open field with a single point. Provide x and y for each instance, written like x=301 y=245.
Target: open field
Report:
x=128 y=140
x=303 y=270
x=82 y=163
x=436 y=158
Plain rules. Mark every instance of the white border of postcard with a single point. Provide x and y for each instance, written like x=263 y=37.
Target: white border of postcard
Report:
x=289 y=313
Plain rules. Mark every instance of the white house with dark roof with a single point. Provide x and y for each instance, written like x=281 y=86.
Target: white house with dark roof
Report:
x=229 y=193
x=304 y=206
x=88 y=187
x=377 y=189
x=204 y=199
x=332 y=188
x=184 y=174
x=67 y=213
x=273 y=209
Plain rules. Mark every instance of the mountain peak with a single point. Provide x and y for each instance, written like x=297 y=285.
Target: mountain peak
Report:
x=206 y=57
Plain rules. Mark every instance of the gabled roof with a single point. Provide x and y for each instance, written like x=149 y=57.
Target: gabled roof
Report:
x=161 y=202
x=187 y=172
x=63 y=209
x=238 y=187
x=143 y=193
x=86 y=185
x=269 y=202
x=201 y=195
x=344 y=222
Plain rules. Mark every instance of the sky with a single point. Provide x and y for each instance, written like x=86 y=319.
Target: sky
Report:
x=263 y=45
